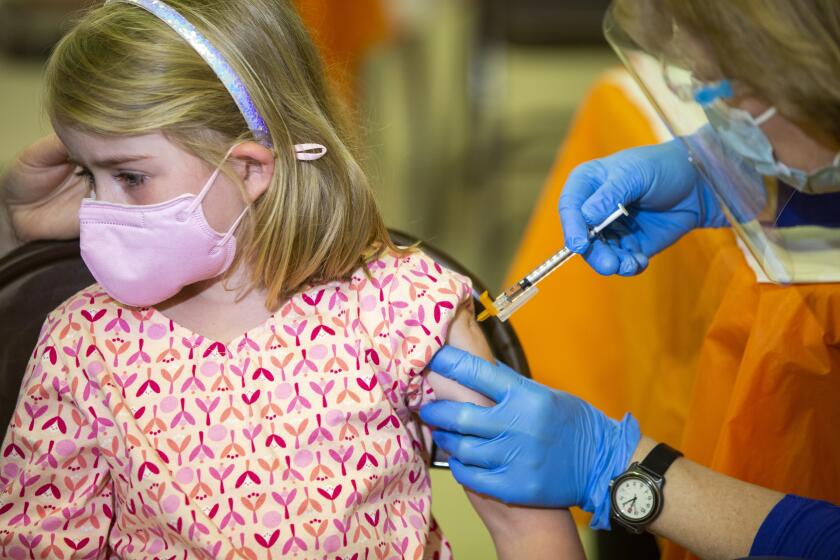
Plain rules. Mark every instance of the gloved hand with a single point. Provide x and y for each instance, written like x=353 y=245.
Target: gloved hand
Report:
x=536 y=446
x=664 y=193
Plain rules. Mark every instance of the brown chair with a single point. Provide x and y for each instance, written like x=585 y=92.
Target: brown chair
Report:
x=36 y=278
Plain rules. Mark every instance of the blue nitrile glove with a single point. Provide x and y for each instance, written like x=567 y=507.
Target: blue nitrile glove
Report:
x=536 y=446
x=666 y=197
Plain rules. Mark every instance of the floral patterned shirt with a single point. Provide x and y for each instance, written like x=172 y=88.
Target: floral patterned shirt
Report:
x=134 y=437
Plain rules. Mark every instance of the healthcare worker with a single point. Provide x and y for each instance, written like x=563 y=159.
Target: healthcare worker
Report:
x=758 y=144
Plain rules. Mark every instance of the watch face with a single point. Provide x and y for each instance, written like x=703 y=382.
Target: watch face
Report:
x=634 y=498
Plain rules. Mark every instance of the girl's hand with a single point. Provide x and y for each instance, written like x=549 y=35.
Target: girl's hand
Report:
x=42 y=193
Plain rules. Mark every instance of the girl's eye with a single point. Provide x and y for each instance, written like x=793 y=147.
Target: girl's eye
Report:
x=132 y=180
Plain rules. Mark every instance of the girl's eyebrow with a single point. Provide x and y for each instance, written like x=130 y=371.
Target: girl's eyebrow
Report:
x=113 y=161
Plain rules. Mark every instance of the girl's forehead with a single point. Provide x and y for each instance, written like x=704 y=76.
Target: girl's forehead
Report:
x=90 y=146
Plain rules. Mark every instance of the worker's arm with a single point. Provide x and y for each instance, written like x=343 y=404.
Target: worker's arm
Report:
x=542 y=447
x=518 y=532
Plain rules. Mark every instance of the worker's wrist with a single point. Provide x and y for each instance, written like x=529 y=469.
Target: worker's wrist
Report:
x=644 y=447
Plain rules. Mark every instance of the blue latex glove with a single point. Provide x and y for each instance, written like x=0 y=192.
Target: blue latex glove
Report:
x=665 y=194
x=536 y=446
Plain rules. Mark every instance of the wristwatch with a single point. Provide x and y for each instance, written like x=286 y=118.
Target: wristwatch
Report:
x=636 y=494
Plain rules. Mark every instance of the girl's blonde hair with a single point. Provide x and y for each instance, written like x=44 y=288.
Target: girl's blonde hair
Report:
x=786 y=51
x=121 y=71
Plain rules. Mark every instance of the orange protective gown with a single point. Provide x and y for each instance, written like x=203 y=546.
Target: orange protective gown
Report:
x=345 y=31
x=743 y=377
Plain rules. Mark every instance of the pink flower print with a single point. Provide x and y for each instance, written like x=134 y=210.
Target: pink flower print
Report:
x=52 y=551
x=74 y=351
x=196 y=527
x=355 y=353
x=419 y=506
x=140 y=355
x=179 y=448
x=342 y=526
x=247 y=342
x=335 y=365
x=342 y=456
x=281 y=364
x=50 y=488
x=200 y=490
x=51 y=354
x=98 y=423
x=381 y=284
x=294 y=544
x=298 y=401
x=216 y=348
x=355 y=496
x=321 y=331
x=233 y=450
x=417 y=289
x=251 y=433
x=304 y=363
x=284 y=499
x=193 y=381
x=147 y=466
x=148 y=387
x=232 y=517
x=320 y=472
x=117 y=324
x=70 y=326
x=313 y=302
x=191 y=344
x=262 y=372
x=182 y=417
x=249 y=398
x=426 y=272
x=231 y=410
x=22 y=518
x=384 y=449
x=221 y=475
x=371 y=357
x=308 y=504
x=271 y=410
x=366 y=459
x=201 y=451
x=348 y=431
x=289 y=472
x=170 y=354
x=401 y=456
x=331 y=493
x=156 y=426
x=361 y=532
x=373 y=521
x=337 y=296
x=295 y=330
x=30 y=543
x=207 y=406
x=172 y=377
x=401 y=547
x=347 y=393
x=248 y=477
x=93 y=348
x=241 y=370
x=13 y=448
x=399 y=510
x=141 y=316
x=368 y=417
x=255 y=505
x=368 y=386
x=267 y=543
x=274 y=341
x=316 y=528
x=323 y=389
x=274 y=439
x=271 y=468
x=56 y=422
x=418 y=320
x=222 y=384
x=390 y=419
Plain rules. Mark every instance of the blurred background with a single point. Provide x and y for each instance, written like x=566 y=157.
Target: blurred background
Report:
x=464 y=105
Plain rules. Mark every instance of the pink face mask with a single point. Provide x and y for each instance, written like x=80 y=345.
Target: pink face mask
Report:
x=143 y=255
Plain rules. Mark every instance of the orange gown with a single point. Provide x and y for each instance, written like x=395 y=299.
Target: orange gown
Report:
x=742 y=377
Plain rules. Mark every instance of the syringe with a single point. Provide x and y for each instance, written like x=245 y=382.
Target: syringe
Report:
x=520 y=293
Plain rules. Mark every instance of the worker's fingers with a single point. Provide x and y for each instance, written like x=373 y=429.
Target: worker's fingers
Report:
x=468 y=450
x=462 y=418
x=491 y=380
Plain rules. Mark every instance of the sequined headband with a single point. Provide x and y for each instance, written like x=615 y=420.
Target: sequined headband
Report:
x=229 y=78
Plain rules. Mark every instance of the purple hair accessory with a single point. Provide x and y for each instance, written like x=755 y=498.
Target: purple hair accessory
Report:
x=230 y=79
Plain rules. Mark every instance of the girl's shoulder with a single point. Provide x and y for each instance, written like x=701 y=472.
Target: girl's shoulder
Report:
x=80 y=312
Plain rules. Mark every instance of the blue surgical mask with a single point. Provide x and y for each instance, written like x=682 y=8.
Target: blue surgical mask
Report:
x=741 y=133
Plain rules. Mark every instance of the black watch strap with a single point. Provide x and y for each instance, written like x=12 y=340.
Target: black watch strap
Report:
x=660 y=458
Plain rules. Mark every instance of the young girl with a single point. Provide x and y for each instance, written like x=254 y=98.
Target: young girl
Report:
x=241 y=382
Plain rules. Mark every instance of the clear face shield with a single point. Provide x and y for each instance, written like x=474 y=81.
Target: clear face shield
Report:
x=789 y=220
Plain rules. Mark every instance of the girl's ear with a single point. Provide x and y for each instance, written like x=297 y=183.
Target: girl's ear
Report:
x=254 y=163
